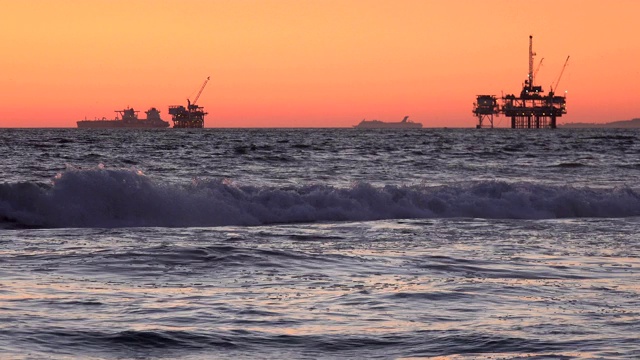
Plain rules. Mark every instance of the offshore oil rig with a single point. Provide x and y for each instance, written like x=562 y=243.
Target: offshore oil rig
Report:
x=530 y=110
x=190 y=117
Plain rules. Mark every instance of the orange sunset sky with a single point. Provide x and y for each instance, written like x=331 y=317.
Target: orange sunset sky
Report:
x=311 y=63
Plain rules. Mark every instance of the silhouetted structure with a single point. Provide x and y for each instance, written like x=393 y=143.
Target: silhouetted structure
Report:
x=190 y=117
x=484 y=108
x=377 y=124
x=128 y=119
x=531 y=109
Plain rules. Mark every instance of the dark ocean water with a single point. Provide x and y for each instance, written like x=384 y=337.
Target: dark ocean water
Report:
x=320 y=243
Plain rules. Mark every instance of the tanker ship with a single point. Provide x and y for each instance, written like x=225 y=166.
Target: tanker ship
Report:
x=128 y=119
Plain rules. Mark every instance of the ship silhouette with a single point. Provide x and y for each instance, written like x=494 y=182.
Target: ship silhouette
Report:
x=377 y=124
x=128 y=118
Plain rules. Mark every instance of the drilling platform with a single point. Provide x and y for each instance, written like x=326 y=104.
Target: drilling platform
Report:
x=530 y=110
x=190 y=117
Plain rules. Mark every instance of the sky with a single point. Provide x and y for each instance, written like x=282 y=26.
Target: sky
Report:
x=312 y=63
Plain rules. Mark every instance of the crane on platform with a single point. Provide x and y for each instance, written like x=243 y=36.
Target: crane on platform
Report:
x=555 y=86
x=200 y=92
x=535 y=73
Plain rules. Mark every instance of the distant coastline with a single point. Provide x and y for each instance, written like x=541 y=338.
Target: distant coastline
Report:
x=622 y=124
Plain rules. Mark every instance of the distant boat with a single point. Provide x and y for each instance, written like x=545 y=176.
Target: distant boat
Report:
x=129 y=119
x=377 y=124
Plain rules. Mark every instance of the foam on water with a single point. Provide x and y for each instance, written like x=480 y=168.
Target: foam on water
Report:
x=112 y=198
x=497 y=244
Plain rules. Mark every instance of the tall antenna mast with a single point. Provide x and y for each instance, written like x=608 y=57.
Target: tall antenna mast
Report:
x=531 y=55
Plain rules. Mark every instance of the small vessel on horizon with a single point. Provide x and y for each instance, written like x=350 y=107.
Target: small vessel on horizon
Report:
x=128 y=119
x=377 y=124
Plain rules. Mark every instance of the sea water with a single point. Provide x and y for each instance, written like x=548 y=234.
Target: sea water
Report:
x=319 y=244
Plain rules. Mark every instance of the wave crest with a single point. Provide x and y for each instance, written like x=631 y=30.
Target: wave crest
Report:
x=126 y=198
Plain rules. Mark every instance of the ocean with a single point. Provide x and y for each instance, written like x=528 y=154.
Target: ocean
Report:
x=320 y=244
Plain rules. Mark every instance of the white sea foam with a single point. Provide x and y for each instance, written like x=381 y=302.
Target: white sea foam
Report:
x=126 y=198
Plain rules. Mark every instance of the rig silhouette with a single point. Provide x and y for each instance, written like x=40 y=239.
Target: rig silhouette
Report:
x=190 y=117
x=530 y=110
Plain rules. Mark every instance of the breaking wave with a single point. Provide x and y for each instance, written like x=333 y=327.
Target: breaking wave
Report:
x=127 y=198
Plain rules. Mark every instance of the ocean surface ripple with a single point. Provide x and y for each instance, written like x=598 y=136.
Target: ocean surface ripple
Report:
x=319 y=244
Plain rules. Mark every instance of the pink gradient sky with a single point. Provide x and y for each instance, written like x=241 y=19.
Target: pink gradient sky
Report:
x=322 y=63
